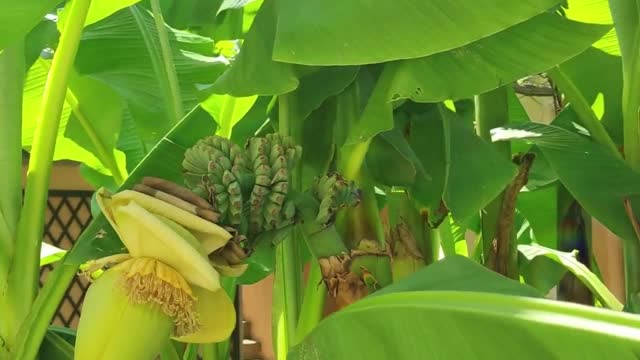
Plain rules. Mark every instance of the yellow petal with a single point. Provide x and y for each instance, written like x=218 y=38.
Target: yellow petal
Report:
x=103 y=198
x=210 y=235
x=145 y=235
x=114 y=328
x=216 y=317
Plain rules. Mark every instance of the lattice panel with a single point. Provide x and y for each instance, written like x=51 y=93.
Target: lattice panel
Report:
x=68 y=213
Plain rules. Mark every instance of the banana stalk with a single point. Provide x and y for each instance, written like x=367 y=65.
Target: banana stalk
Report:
x=408 y=236
x=350 y=269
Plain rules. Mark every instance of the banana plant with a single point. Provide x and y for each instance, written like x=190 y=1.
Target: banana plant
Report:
x=228 y=140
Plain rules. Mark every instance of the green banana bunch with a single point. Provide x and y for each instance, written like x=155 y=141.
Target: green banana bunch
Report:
x=334 y=192
x=272 y=158
x=219 y=171
x=248 y=187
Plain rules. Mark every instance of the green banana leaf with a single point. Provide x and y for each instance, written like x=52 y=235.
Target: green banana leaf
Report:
x=392 y=162
x=593 y=175
x=254 y=72
x=540 y=208
x=17 y=18
x=448 y=75
x=470 y=325
x=227 y=110
x=604 y=97
x=55 y=347
x=597 y=12
x=124 y=52
x=444 y=168
x=458 y=273
x=335 y=32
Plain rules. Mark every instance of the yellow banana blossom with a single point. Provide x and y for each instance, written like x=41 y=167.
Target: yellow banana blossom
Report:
x=165 y=287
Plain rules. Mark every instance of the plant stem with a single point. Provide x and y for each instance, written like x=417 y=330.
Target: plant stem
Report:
x=626 y=19
x=102 y=153
x=221 y=350
x=492 y=111
x=350 y=157
x=209 y=352
x=12 y=69
x=105 y=156
x=169 y=352
x=506 y=251
x=167 y=58
x=315 y=293
x=288 y=267
x=24 y=272
x=582 y=107
x=35 y=326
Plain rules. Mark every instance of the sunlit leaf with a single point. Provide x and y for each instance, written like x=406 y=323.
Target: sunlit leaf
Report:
x=597 y=12
x=123 y=51
x=227 y=110
x=470 y=325
x=50 y=254
x=475 y=68
x=570 y=263
x=98 y=10
x=17 y=18
x=89 y=123
x=458 y=273
x=335 y=32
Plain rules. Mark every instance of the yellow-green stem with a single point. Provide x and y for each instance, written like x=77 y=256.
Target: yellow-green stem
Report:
x=12 y=69
x=24 y=271
x=169 y=352
x=209 y=351
x=288 y=267
x=175 y=98
x=315 y=293
x=34 y=327
x=350 y=157
x=221 y=350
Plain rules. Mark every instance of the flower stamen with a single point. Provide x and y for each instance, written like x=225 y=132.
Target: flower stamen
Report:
x=146 y=280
